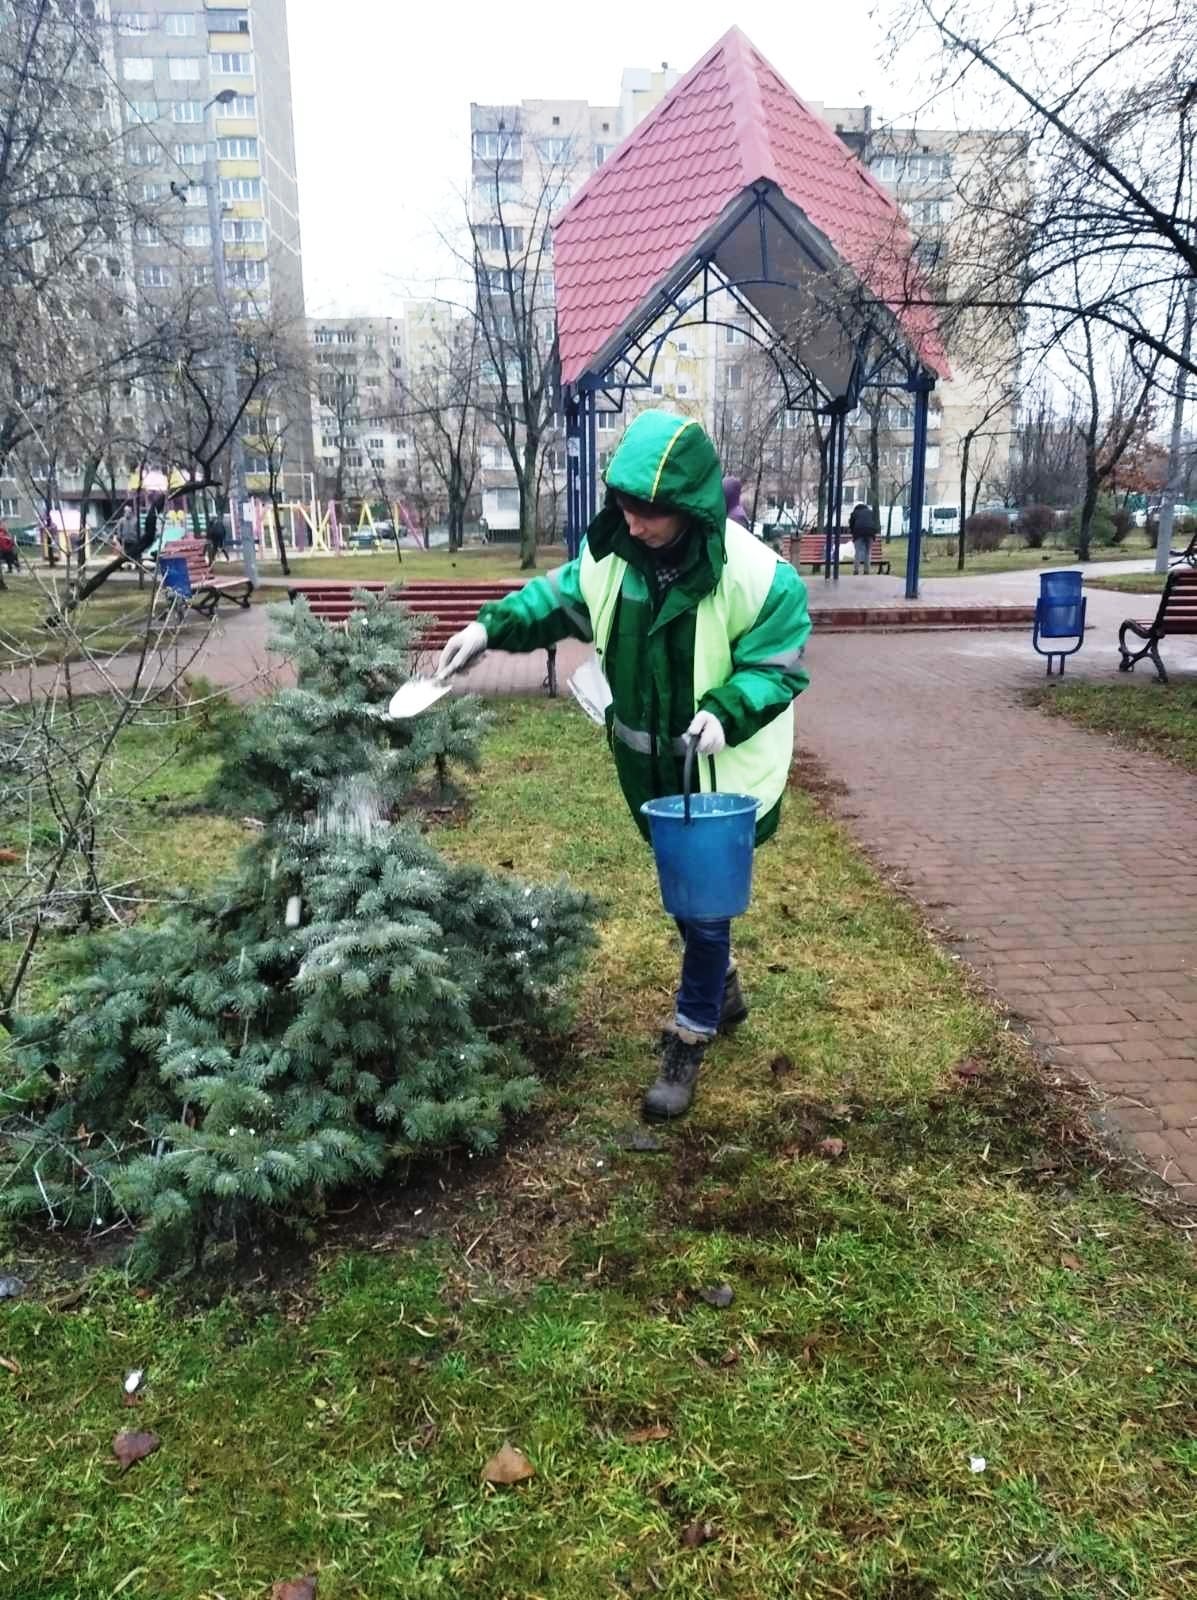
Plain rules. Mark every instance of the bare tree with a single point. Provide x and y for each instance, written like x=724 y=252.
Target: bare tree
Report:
x=509 y=261
x=1112 y=407
x=439 y=401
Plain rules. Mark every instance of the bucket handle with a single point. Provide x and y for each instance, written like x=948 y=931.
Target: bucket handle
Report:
x=690 y=741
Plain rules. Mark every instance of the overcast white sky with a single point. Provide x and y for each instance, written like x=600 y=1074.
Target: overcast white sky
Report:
x=382 y=90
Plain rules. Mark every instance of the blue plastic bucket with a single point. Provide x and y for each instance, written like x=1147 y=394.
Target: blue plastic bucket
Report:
x=175 y=575
x=703 y=847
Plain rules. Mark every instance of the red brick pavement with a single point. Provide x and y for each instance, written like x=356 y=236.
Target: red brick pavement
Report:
x=1061 y=863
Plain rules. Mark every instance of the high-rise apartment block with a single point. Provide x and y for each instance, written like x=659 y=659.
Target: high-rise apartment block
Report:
x=193 y=89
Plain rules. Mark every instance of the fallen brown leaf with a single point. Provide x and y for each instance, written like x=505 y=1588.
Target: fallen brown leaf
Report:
x=9 y=857
x=10 y=1365
x=697 y=1533
x=780 y=1065
x=129 y=1448
x=295 y=1589
x=968 y=1069
x=1073 y=1263
x=648 y=1435
x=508 y=1465
x=830 y=1149
x=729 y=1358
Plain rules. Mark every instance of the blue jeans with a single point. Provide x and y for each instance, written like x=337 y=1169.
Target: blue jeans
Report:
x=705 y=961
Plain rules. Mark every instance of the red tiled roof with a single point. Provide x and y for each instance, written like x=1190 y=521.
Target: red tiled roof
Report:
x=730 y=122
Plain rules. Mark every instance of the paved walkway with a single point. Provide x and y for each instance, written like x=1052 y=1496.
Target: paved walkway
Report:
x=1060 y=863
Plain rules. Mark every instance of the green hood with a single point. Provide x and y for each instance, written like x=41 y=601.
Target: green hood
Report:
x=670 y=461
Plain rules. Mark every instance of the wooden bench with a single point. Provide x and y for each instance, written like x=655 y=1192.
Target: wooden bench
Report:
x=1185 y=557
x=1177 y=613
x=206 y=591
x=812 y=552
x=446 y=607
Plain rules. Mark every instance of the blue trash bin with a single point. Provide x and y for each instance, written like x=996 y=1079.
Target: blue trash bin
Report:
x=175 y=575
x=1059 y=614
x=703 y=845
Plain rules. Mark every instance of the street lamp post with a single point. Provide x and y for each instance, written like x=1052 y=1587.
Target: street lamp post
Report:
x=240 y=494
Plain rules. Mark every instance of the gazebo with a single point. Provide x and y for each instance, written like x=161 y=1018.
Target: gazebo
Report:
x=732 y=187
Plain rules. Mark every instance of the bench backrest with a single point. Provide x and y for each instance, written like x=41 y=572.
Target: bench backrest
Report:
x=451 y=604
x=1178 y=604
x=813 y=547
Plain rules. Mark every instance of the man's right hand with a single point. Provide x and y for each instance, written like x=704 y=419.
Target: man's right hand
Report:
x=461 y=649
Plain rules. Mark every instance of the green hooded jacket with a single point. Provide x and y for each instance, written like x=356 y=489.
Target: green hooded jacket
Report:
x=648 y=654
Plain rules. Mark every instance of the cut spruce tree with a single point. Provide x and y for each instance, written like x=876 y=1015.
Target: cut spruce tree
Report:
x=345 y=999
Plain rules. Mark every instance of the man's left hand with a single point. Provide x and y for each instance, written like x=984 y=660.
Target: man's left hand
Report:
x=708 y=730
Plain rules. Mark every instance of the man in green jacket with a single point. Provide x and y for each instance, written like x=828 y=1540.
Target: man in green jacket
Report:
x=699 y=629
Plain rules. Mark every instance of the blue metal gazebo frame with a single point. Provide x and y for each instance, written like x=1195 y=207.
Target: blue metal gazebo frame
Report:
x=862 y=330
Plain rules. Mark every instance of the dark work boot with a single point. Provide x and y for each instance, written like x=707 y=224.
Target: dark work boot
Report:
x=734 y=1010
x=681 y=1057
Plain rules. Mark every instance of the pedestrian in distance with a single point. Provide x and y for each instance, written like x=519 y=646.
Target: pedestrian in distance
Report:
x=8 y=550
x=864 y=528
x=697 y=627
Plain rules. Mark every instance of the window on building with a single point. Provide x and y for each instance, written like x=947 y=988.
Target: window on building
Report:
x=375 y=444
x=195 y=194
x=155 y=277
x=241 y=188
x=188 y=155
x=237 y=149
x=321 y=335
x=9 y=505
x=507 y=499
x=197 y=233
x=930 y=254
x=179 y=24
x=227 y=20
x=153 y=191
x=928 y=210
x=373 y=383
x=354 y=458
x=185 y=69
x=346 y=336
x=494 y=236
x=250 y=230
x=601 y=152
x=241 y=105
x=658 y=389
x=501 y=192
x=683 y=388
x=609 y=421
x=247 y=273
x=231 y=64
x=733 y=335
x=187 y=111
x=137 y=69
x=141 y=111
x=201 y=274
x=553 y=149
x=912 y=168
x=133 y=22
x=144 y=155
x=735 y=376
x=146 y=233
x=498 y=146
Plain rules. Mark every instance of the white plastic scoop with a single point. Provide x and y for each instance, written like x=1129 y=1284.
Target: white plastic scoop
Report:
x=415 y=696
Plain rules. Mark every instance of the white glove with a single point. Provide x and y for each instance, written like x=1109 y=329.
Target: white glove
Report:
x=461 y=649
x=708 y=730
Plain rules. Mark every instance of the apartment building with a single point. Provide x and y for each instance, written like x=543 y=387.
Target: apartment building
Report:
x=360 y=445
x=934 y=174
x=526 y=162
x=193 y=88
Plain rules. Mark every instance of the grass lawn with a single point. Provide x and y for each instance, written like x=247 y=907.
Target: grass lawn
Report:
x=488 y=561
x=939 y=558
x=114 y=619
x=957 y=1283
x=1142 y=713
x=1130 y=583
